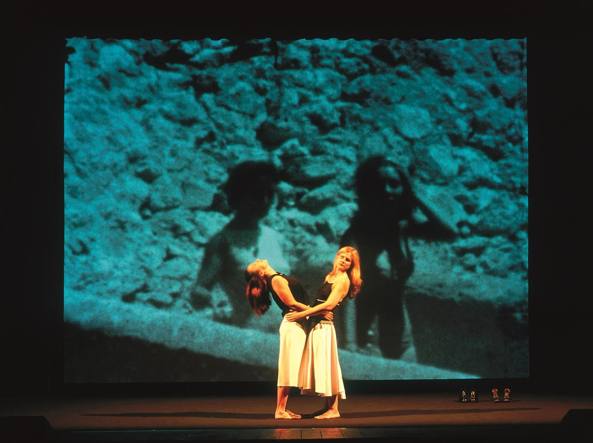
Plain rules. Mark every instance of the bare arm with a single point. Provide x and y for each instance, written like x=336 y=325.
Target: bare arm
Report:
x=210 y=268
x=339 y=291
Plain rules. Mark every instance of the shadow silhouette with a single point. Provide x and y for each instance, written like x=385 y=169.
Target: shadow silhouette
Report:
x=195 y=414
x=249 y=194
x=345 y=415
x=380 y=230
x=407 y=412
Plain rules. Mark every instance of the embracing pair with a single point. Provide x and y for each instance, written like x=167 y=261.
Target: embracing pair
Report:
x=308 y=357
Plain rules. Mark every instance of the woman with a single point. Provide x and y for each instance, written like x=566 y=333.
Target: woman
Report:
x=289 y=295
x=320 y=371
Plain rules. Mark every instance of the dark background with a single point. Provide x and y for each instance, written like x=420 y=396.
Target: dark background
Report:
x=560 y=50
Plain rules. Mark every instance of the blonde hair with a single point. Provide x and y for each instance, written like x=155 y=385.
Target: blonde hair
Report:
x=354 y=271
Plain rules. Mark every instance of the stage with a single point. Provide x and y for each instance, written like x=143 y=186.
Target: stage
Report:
x=404 y=417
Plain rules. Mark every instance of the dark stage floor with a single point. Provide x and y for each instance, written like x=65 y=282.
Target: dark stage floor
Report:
x=405 y=417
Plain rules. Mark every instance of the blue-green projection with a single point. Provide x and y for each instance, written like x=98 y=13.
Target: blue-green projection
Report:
x=184 y=160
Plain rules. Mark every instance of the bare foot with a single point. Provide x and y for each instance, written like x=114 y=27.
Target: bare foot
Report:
x=284 y=415
x=316 y=413
x=328 y=414
x=292 y=414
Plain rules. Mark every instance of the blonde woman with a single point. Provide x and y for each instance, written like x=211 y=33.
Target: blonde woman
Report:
x=320 y=373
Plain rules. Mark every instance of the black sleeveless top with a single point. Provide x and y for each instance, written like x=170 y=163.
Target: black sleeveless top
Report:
x=298 y=291
x=324 y=291
x=322 y=294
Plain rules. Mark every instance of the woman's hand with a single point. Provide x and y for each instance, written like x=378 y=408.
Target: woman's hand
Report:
x=292 y=316
x=328 y=315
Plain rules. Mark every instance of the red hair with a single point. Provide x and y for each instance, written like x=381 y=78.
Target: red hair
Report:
x=259 y=302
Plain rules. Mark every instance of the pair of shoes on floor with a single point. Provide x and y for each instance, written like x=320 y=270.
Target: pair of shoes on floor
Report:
x=506 y=395
x=471 y=397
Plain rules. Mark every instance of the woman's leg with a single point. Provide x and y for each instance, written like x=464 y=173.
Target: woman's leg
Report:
x=292 y=342
x=281 y=400
x=332 y=408
x=324 y=408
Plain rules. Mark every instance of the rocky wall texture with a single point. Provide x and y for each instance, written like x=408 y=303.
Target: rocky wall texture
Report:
x=153 y=130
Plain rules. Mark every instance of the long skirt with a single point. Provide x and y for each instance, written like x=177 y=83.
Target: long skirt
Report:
x=320 y=372
x=292 y=343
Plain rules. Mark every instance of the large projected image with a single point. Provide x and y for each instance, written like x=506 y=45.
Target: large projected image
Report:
x=185 y=160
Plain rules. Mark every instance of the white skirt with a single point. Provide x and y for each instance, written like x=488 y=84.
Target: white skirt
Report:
x=320 y=372
x=292 y=343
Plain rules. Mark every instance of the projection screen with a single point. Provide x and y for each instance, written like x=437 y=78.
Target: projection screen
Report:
x=185 y=160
